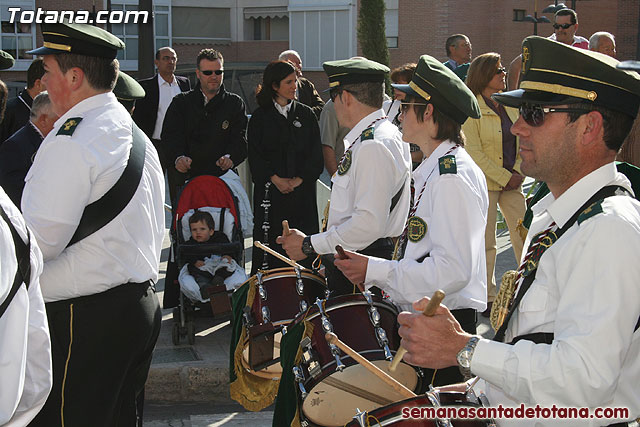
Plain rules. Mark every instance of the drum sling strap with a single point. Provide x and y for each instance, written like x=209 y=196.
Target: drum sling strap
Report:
x=101 y=212
x=547 y=337
x=23 y=274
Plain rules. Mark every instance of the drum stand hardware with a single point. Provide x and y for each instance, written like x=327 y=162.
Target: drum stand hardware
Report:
x=246 y=317
x=261 y=290
x=300 y=289
x=266 y=315
x=434 y=398
x=327 y=327
x=313 y=367
x=361 y=417
x=297 y=373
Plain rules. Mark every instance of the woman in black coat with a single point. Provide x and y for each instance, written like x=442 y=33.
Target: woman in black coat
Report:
x=285 y=157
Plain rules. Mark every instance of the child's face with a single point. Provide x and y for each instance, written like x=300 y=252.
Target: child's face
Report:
x=200 y=231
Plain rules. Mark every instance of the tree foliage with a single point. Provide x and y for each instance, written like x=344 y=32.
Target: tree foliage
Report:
x=371 y=32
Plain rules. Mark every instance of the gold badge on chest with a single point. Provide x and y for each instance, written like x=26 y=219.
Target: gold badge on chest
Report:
x=225 y=125
x=416 y=229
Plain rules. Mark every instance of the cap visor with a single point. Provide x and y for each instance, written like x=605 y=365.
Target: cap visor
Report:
x=629 y=65
x=44 y=51
x=515 y=98
x=406 y=89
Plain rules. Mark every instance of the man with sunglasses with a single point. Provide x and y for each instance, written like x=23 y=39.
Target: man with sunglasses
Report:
x=204 y=129
x=565 y=26
x=371 y=188
x=571 y=335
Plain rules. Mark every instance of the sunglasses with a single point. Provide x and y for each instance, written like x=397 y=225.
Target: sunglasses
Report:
x=333 y=93
x=404 y=106
x=533 y=115
x=209 y=72
x=563 y=26
x=501 y=70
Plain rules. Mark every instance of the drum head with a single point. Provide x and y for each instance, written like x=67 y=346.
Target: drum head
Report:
x=330 y=403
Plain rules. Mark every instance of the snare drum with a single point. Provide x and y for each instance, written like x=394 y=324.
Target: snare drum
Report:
x=392 y=415
x=331 y=384
x=281 y=295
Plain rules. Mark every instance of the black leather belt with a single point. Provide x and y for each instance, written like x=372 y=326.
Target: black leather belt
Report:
x=382 y=242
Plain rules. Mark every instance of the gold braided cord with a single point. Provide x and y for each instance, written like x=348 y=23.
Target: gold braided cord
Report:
x=501 y=304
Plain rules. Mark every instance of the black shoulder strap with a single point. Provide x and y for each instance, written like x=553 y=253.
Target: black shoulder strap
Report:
x=395 y=199
x=222 y=211
x=101 y=212
x=23 y=274
x=602 y=194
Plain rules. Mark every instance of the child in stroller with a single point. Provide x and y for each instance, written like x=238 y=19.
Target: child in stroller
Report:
x=204 y=271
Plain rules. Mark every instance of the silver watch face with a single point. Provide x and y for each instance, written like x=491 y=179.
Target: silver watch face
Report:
x=464 y=358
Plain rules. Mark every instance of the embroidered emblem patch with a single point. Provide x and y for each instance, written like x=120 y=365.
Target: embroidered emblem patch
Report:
x=447 y=164
x=416 y=229
x=345 y=163
x=367 y=134
x=592 y=210
x=225 y=125
x=297 y=124
x=544 y=244
x=69 y=127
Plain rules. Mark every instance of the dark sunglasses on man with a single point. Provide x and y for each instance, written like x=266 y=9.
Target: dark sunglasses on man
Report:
x=563 y=26
x=209 y=72
x=333 y=93
x=533 y=114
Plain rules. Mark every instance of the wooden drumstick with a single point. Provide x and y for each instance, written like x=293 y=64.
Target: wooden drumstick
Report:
x=281 y=257
x=400 y=388
x=341 y=253
x=428 y=311
x=285 y=228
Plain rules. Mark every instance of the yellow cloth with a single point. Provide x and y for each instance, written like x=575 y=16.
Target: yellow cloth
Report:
x=484 y=145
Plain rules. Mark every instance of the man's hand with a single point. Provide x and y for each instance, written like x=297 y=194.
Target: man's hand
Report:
x=354 y=267
x=183 y=164
x=282 y=184
x=295 y=182
x=224 y=163
x=514 y=182
x=431 y=342
x=292 y=243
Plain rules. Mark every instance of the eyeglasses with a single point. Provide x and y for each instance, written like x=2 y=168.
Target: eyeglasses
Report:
x=563 y=26
x=404 y=106
x=533 y=115
x=501 y=70
x=209 y=72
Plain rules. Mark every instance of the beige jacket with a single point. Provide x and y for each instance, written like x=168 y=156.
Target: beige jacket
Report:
x=484 y=144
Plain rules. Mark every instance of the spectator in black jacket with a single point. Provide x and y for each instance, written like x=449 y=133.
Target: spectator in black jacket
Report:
x=160 y=90
x=17 y=112
x=17 y=152
x=204 y=129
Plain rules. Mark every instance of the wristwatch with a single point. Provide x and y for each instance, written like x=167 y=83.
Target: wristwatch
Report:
x=464 y=357
x=307 y=247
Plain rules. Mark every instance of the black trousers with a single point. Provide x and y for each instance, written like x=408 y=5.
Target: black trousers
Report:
x=338 y=284
x=101 y=349
x=468 y=318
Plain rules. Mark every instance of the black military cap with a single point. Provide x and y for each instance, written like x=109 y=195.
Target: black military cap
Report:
x=127 y=88
x=554 y=73
x=355 y=70
x=6 y=60
x=436 y=83
x=81 y=39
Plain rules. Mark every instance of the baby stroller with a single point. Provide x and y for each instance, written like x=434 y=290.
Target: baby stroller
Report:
x=209 y=194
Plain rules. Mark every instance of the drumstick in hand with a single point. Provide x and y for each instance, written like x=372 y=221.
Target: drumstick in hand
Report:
x=398 y=387
x=428 y=311
x=285 y=228
x=341 y=254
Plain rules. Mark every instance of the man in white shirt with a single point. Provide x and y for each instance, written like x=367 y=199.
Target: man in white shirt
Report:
x=370 y=193
x=571 y=334
x=159 y=91
x=99 y=271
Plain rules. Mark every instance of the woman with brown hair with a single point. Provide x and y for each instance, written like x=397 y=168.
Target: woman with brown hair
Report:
x=285 y=158
x=495 y=149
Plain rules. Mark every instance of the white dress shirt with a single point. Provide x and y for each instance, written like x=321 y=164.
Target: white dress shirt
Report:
x=454 y=207
x=361 y=198
x=166 y=93
x=25 y=349
x=72 y=171
x=586 y=293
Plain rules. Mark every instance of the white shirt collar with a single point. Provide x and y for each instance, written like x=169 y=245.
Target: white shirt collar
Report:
x=562 y=208
x=283 y=110
x=95 y=101
x=361 y=126
x=162 y=81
